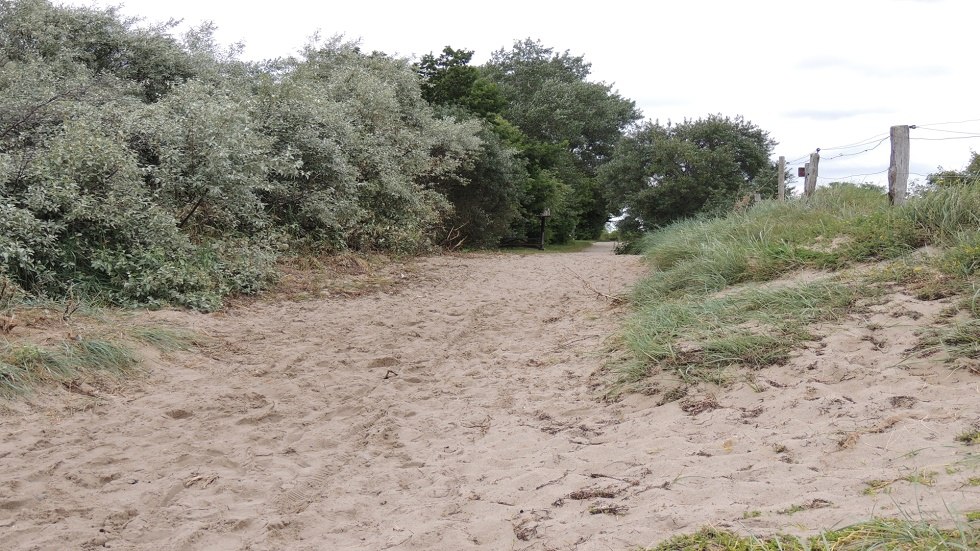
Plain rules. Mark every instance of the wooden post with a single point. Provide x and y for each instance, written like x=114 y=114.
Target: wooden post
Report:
x=811 y=174
x=545 y=215
x=806 y=180
x=898 y=168
x=782 y=178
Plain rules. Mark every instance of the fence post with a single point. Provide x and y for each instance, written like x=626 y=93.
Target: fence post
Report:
x=782 y=178
x=811 y=174
x=898 y=168
x=806 y=179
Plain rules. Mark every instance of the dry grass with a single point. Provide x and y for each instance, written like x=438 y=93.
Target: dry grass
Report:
x=312 y=277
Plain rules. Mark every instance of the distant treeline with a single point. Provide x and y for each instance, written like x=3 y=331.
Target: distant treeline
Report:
x=145 y=168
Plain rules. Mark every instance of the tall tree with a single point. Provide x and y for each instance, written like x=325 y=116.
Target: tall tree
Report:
x=485 y=192
x=450 y=80
x=551 y=99
x=571 y=124
x=659 y=173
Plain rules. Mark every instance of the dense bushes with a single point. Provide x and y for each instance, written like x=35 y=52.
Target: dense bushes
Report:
x=145 y=169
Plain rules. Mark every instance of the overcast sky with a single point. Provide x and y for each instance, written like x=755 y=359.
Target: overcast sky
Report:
x=813 y=74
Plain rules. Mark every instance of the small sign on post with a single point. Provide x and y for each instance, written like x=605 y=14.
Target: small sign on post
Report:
x=545 y=215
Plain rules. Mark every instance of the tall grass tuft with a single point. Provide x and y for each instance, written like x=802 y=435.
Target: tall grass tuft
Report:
x=23 y=366
x=837 y=227
x=165 y=339
x=941 y=215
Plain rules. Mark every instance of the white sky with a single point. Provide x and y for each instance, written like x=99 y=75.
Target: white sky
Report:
x=813 y=74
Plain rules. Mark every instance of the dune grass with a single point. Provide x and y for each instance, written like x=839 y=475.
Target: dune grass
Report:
x=699 y=339
x=683 y=325
x=165 y=339
x=877 y=534
x=63 y=353
x=838 y=227
x=694 y=321
x=24 y=366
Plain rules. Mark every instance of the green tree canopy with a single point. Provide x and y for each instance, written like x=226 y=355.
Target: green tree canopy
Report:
x=550 y=98
x=450 y=80
x=661 y=173
x=570 y=125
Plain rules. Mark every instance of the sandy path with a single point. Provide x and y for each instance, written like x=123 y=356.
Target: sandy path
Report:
x=457 y=413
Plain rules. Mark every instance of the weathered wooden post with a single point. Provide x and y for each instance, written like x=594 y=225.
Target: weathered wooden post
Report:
x=898 y=168
x=806 y=180
x=782 y=178
x=545 y=215
x=811 y=174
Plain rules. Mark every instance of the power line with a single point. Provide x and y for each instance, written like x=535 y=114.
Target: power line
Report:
x=947 y=131
x=949 y=174
x=852 y=175
x=971 y=137
x=872 y=148
x=949 y=122
x=856 y=144
x=880 y=137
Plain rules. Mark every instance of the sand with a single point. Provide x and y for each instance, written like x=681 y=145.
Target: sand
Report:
x=461 y=409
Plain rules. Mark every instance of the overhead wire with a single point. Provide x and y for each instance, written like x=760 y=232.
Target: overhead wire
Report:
x=947 y=131
x=971 y=137
x=852 y=175
x=948 y=122
x=855 y=144
x=872 y=148
x=949 y=174
x=879 y=139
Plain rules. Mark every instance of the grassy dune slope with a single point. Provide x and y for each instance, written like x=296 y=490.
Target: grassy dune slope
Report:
x=732 y=295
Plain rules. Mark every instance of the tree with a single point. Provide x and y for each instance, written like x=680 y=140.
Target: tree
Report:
x=571 y=125
x=373 y=153
x=550 y=99
x=659 y=174
x=100 y=40
x=449 y=80
x=485 y=193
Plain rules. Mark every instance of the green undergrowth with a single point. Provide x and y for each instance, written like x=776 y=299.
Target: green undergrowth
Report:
x=878 y=534
x=706 y=305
